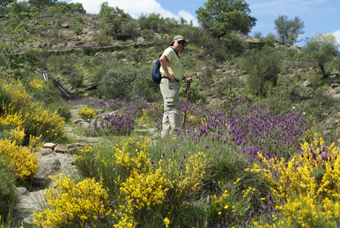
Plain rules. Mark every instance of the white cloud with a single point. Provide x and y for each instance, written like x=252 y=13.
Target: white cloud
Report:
x=136 y=7
x=337 y=36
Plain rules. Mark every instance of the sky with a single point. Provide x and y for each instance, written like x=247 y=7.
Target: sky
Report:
x=319 y=16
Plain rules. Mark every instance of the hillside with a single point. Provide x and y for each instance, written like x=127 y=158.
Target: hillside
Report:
x=78 y=98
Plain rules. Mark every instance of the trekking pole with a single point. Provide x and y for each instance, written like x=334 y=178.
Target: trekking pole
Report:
x=186 y=104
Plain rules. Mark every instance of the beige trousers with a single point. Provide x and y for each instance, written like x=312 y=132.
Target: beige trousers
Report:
x=172 y=108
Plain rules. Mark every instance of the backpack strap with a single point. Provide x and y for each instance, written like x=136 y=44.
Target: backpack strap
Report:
x=175 y=52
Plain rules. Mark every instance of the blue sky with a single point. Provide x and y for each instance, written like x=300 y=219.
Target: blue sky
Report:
x=319 y=16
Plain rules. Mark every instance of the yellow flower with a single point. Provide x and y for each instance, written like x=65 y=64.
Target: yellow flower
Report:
x=166 y=222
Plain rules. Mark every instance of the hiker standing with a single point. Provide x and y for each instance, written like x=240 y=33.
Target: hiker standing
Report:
x=172 y=73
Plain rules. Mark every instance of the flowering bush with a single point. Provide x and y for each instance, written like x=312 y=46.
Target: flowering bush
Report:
x=76 y=204
x=112 y=124
x=22 y=158
x=305 y=187
x=86 y=113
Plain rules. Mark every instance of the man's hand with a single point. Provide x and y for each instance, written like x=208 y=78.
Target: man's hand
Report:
x=188 y=80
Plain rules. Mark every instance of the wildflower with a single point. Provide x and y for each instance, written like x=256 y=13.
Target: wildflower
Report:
x=166 y=222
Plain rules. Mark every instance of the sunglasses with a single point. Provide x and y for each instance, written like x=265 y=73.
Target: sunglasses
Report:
x=181 y=42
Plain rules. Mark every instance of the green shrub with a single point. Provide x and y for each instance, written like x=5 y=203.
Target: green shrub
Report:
x=120 y=55
x=136 y=54
x=88 y=50
x=263 y=68
x=269 y=40
x=194 y=93
x=78 y=28
x=320 y=51
x=117 y=83
x=8 y=193
x=76 y=79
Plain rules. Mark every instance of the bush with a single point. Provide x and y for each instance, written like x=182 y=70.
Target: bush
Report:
x=78 y=28
x=263 y=69
x=88 y=50
x=8 y=193
x=86 y=113
x=125 y=82
x=320 y=51
x=269 y=40
x=76 y=79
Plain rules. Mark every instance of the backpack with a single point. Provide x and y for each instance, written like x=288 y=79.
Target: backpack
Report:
x=155 y=73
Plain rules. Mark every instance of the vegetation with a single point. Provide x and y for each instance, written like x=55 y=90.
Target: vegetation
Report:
x=288 y=30
x=222 y=17
x=247 y=156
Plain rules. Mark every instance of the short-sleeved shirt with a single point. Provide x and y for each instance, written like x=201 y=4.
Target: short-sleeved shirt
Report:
x=174 y=64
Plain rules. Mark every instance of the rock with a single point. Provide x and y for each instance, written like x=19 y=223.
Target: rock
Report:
x=49 y=145
x=77 y=121
x=306 y=84
x=301 y=71
x=150 y=130
x=60 y=149
x=64 y=25
x=48 y=164
x=334 y=85
x=46 y=151
x=28 y=203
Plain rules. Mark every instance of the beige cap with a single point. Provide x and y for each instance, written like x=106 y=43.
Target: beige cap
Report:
x=178 y=38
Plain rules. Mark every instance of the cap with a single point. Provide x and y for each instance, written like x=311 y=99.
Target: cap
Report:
x=178 y=38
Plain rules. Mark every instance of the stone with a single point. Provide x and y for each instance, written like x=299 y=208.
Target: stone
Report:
x=301 y=71
x=27 y=204
x=46 y=151
x=60 y=148
x=306 y=84
x=334 y=85
x=64 y=25
x=49 y=145
x=48 y=165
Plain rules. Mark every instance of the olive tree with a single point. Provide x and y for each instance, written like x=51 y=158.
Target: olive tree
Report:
x=320 y=49
x=288 y=30
x=223 y=16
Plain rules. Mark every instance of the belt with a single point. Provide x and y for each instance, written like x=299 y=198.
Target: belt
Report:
x=170 y=80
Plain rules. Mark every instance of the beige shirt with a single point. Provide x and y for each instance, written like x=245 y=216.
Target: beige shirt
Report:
x=174 y=64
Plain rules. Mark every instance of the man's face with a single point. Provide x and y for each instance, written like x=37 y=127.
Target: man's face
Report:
x=178 y=45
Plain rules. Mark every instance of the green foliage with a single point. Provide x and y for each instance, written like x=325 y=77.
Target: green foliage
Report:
x=320 y=50
x=76 y=79
x=221 y=17
x=78 y=28
x=263 y=68
x=112 y=18
x=269 y=40
x=194 y=93
x=42 y=3
x=124 y=82
x=152 y=21
x=288 y=30
x=8 y=192
x=88 y=50
x=72 y=7
x=131 y=29
x=137 y=54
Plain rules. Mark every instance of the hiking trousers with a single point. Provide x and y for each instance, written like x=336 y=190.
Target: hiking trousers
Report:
x=172 y=108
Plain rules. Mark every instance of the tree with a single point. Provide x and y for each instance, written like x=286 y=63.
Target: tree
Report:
x=113 y=18
x=5 y=2
x=223 y=16
x=42 y=3
x=321 y=48
x=288 y=30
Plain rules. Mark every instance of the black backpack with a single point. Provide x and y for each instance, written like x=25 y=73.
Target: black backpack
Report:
x=155 y=73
